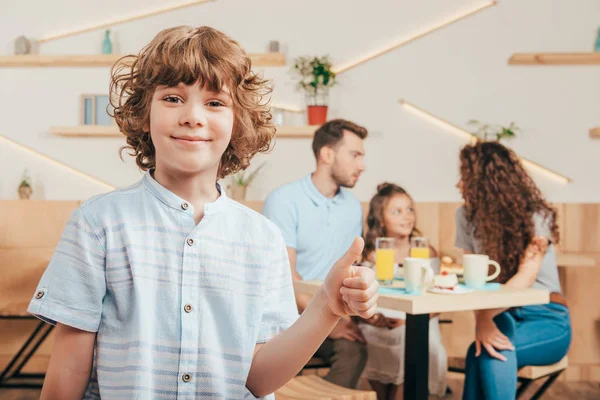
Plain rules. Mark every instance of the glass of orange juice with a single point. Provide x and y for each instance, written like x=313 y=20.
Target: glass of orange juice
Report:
x=385 y=256
x=419 y=247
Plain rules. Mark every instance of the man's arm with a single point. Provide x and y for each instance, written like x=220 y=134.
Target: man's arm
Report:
x=70 y=364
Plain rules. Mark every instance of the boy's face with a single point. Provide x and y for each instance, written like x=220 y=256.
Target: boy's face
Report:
x=190 y=127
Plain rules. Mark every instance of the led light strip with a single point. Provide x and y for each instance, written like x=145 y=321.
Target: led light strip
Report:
x=121 y=20
x=467 y=136
x=413 y=37
x=55 y=162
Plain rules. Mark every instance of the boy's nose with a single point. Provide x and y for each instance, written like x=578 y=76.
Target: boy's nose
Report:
x=194 y=116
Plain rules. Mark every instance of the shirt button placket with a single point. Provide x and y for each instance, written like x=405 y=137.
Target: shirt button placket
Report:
x=189 y=320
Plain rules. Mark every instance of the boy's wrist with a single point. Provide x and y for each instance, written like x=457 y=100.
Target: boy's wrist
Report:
x=320 y=302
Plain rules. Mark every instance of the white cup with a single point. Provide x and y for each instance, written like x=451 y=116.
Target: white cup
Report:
x=476 y=268
x=417 y=273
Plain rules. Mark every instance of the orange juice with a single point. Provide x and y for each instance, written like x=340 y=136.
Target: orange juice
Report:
x=419 y=252
x=384 y=264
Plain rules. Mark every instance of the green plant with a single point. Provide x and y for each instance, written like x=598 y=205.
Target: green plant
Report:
x=25 y=180
x=487 y=132
x=241 y=179
x=315 y=75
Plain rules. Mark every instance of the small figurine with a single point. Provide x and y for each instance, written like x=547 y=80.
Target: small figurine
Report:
x=25 y=190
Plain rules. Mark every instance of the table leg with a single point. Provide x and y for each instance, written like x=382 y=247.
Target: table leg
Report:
x=416 y=357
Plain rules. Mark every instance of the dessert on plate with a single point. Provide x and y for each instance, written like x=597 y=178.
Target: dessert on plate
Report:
x=445 y=281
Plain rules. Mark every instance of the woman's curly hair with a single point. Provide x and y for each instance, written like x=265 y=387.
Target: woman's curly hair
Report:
x=192 y=55
x=375 y=223
x=500 y=202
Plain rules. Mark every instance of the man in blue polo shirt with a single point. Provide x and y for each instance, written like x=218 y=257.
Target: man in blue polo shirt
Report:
x=319 y=219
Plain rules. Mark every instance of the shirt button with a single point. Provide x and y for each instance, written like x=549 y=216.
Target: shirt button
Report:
x=39 y=294
x=190 y=242
x=187 y=308
x=186 y=377
x=185 y=205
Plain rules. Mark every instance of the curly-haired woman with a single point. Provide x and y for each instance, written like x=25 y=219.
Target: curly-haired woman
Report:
x=506 y=217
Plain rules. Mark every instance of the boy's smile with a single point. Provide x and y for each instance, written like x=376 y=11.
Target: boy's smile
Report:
x=190 y=141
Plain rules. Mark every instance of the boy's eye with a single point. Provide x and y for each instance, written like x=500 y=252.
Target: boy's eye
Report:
x=172 y=99
x=215 y=103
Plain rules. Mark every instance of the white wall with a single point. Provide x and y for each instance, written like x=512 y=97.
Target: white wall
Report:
x=458 y=73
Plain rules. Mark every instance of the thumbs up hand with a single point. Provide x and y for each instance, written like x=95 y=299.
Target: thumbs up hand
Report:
x=350 y=289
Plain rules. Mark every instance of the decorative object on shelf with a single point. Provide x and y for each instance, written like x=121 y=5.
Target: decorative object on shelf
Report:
x=23 y=45
x=274 y=46
x=493 y=132
x=278 y=116
x=597 y=47
x=239 y=182
x=94 y=110
x=316 y=77
x=25 y=190
x=107 y=44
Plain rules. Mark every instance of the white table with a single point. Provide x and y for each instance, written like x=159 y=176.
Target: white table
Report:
x=418 y=309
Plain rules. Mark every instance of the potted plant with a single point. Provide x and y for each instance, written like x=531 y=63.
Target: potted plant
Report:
x=315 y=78
x=239 y=182
x=487 y=132
x=25 y=189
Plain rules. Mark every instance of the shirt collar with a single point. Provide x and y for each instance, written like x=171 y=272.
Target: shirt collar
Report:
x=317 y=197
x=172 y=200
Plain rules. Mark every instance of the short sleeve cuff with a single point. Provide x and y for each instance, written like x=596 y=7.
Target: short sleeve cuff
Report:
x=44 y=308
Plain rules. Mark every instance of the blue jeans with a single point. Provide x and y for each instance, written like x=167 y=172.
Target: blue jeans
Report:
x=541 y=336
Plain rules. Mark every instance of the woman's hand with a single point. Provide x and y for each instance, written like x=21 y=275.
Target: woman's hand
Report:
x=491 y=338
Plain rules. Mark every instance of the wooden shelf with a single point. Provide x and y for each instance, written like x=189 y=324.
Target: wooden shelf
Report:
x=595 y=133
x=555 y=59
x=87 y=131
x=107 y=60
x=90 y=131
x=297 y=132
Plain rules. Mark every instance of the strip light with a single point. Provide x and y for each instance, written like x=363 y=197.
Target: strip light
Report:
x=121 y=20
x=411 y=38
x=467 y=136
x=55 y=162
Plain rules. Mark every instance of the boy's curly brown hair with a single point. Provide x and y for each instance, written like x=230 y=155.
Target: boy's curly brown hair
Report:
x=500 y=202
x=192 y=55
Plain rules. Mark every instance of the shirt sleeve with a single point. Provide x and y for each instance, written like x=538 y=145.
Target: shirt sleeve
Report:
x=542 y=226
x=74 y=284
x=279 y=303
x=281 y=212
x=358 y=229
x=464 y=239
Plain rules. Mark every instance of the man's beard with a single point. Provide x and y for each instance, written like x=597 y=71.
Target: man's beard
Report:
x=342 y=180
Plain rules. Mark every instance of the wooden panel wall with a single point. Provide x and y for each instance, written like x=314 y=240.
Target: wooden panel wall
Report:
x=29 y=231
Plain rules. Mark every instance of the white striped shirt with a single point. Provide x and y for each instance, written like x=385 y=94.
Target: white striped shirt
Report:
x=178 y=307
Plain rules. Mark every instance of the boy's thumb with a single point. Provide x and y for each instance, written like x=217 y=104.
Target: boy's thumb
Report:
x=353 y=253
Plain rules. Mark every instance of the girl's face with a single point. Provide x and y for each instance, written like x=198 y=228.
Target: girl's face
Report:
x=399 y=216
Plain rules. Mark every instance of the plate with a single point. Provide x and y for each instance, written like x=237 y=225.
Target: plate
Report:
x=456 y=290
